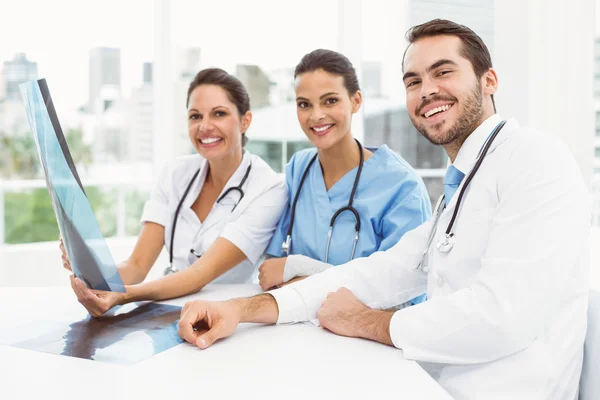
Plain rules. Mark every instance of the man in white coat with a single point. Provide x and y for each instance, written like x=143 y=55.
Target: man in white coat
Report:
x=507 y=288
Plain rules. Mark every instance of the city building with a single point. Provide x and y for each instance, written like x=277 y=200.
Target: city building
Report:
x=15 y=72
x=105 y=70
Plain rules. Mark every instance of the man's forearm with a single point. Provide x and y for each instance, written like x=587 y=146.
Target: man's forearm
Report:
x=375 y=325
x=260 y=309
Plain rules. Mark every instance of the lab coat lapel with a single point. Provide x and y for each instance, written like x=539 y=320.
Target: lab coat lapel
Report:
x=510 y=126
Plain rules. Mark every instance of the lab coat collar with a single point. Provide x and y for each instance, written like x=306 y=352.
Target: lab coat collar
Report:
x=234 y=180
x=239 y=173
x=469 y=151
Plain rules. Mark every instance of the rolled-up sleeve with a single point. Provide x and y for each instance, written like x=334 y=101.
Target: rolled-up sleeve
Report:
x=251 y=231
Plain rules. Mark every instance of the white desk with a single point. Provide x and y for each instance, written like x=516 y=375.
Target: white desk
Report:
x=292 y=361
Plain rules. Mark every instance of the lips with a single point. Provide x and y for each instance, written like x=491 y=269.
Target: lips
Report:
x=428 y=109
x=436 y=110
x=209 y=141
x=321 y=130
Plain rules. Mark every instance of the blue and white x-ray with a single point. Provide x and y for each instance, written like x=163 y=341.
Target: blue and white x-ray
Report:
x=87 y=250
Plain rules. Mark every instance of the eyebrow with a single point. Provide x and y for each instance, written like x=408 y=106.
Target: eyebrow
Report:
x=214 y=108
x=433 y=66
x=320 y=98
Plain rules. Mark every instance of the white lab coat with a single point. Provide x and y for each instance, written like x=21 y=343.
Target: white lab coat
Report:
x=506 y=315
x=249 y=226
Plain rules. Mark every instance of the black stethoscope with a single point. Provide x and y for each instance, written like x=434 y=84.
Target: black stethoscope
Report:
x=286 y=246
x=447 y=243
x=171 y=269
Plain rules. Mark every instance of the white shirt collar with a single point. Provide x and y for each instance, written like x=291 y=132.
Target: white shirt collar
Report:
x=467 y=155
x=233 y=181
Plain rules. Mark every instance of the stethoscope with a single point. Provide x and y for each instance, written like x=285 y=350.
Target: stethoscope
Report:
x=286 y=246
x=171 y=269
x=446 y=243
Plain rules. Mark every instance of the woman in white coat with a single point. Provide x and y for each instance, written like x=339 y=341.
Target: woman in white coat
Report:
x=214 y=211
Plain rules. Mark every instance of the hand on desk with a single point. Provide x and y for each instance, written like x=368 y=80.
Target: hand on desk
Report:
x=97 y=302
x=270 y=273
x=203 y=322
x=344 y=314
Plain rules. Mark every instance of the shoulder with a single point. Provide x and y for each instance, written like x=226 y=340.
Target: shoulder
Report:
x=263 y=176
x=532 y=154
x=390 y=176
x=181 y=168
x=298 y=162
x=536 y=148
x=391 y=167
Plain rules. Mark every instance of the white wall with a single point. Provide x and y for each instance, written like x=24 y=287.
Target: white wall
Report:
x=544 y=55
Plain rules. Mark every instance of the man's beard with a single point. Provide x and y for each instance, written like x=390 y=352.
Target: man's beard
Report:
x=465 y=124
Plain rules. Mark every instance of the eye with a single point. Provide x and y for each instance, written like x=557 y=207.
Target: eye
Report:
x=412 y=83
x=194 y=116
x=220 y=113
x=445 y=72
x=302 y=104
x=331 y=100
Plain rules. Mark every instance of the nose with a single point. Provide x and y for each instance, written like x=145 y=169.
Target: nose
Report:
x=317 y=114
x=204 y=126
x=428 y=88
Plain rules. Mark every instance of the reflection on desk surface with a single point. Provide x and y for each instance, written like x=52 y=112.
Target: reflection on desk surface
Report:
x=125 y=336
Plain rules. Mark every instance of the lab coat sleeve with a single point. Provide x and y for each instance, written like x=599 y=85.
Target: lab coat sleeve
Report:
x=529 y=268
x=382 y=280
x=252 y=230
x=156 y=208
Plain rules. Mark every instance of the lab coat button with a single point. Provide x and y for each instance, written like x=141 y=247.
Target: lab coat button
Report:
x=440 y=281
x=425 y=269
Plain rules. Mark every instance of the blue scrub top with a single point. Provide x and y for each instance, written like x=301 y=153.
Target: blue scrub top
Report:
x=391 y=200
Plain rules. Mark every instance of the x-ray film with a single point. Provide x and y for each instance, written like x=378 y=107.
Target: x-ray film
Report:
x=87 y=250
x=126 y=335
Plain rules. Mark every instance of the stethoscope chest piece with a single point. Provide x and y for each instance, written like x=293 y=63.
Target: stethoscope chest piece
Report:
x=446 y=243
x=170 y=270
x=285 y=247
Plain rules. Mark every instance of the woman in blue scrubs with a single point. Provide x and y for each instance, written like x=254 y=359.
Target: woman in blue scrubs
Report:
x=386 y=193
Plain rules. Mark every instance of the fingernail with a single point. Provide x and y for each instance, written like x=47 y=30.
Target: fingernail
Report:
x=202 y=342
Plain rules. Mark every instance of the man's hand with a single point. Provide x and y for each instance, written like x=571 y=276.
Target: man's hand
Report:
x=97 y=302
x=204 y=322
x=270 y=273
x=343 y=314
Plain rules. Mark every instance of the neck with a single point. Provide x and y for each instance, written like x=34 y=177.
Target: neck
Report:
x=339 y=159
x=222 y=169
x=453 y=147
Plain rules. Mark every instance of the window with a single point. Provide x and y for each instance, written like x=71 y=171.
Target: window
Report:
x=245 y=46
x=101 y=86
